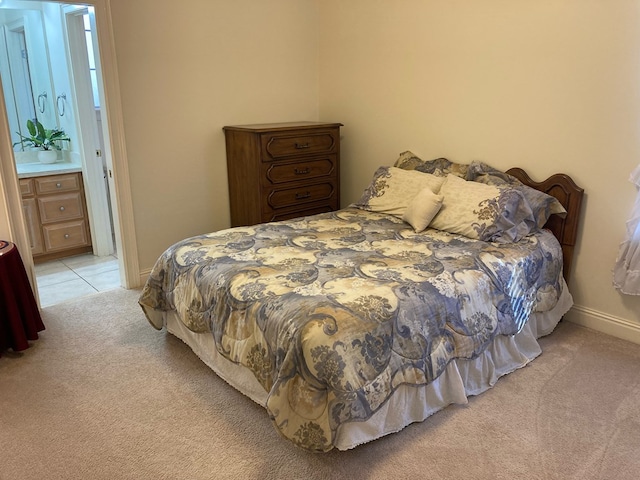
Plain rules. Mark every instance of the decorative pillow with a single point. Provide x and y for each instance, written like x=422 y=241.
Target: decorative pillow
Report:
x=439 y=167
x=424 y=206
x=408 y=161
x=392 y=189
x=483 y=212
x=541 y=204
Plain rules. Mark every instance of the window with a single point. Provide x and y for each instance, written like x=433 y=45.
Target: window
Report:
x=92 y=60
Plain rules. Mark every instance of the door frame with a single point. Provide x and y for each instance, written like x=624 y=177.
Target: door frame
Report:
x=122 y=201
x=87 y=126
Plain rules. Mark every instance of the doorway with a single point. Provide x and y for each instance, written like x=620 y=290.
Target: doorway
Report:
x=79 y=275
x=79 y=105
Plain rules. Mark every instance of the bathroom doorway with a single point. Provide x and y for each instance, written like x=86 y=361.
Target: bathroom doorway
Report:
x=71 y=92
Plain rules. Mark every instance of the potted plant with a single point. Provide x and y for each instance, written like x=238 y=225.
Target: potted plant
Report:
x=47 y=141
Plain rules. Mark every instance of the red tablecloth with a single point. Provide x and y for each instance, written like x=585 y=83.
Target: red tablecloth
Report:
x=20 y=319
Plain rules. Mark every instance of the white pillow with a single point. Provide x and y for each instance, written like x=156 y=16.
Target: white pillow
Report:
x=424 y=206
x=483 y=212
x=392 y=189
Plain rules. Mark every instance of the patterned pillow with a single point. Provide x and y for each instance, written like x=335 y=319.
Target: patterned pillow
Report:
x=541 y=204
x=439 y=167
x=424 y=206
x=408 y=161
x=392 y=189
x=483 y=212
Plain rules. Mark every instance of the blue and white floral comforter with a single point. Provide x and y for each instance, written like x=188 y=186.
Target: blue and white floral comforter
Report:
x=333 y=312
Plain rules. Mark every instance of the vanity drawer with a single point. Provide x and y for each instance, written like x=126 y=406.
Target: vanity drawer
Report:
x=56 y=208
x=57 y=183
x=285 y=172
x=63 y=236
x=301 y=195
x=282 y=145
x=26 y=187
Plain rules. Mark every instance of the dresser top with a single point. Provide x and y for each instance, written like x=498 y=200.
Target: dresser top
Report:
x=270 y=127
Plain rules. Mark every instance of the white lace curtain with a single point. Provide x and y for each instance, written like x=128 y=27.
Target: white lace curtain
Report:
x=626 y=274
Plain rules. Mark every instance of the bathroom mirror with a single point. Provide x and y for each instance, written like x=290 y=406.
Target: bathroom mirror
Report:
x=25 y=71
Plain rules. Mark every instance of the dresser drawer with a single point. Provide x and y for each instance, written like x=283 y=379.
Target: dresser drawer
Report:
x=283 y=145
x=56 y=208
x=287 y=215
x=26 y=187
x=57 y=183
x=285 y=172
x=300 y=195
x=63 y=236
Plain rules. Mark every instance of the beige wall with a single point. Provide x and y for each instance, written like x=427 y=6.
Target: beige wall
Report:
x=551 y=85
x=186 y=70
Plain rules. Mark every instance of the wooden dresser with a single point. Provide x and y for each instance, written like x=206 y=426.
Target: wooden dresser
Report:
x=282 y=170
x=54 y=210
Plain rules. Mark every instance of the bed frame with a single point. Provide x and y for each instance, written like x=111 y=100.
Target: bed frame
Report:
x=565 y=228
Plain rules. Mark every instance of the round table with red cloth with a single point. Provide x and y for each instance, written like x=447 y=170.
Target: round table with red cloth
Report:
x=20 y=319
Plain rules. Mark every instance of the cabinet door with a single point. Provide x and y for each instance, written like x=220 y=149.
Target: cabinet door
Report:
x=26 y=187
x=33 y=225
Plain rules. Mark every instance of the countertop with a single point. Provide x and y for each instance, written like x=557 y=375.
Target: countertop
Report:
x=28 y=170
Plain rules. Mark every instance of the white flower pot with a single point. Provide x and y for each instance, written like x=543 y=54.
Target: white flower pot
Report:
x=48 y=156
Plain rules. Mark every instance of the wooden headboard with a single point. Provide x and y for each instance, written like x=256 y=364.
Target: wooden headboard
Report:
x=570 y=196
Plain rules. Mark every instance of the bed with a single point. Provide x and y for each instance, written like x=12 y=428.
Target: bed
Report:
x=350 y=325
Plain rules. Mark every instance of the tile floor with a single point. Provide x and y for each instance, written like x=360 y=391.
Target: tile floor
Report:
x=66 y=278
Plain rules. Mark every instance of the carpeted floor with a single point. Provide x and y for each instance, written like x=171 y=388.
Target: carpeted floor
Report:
x=102 y=395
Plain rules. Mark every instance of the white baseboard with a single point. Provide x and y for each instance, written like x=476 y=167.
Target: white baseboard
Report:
x=605 y=323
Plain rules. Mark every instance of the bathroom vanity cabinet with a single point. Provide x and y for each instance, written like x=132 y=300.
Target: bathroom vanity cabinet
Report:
x=55 y=214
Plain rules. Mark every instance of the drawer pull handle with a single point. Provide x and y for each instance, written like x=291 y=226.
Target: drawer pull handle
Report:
x=301 y=171
x=62 y=209
x=66 y=235
x=300 y=146
x=300 y=196
x=58 y=185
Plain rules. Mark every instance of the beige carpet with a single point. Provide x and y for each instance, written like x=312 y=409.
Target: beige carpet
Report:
x=102 y=395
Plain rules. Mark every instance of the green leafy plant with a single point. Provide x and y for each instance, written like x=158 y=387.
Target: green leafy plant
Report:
x=41 y=137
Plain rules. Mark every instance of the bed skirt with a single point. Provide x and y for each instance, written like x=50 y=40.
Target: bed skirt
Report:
x=408 y=404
